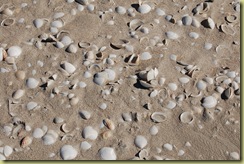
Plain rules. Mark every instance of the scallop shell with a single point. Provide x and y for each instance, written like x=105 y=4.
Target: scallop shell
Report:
x=26 y=141
x=8 y=22
x=107 y=153
x=14 y=51
x=120 y=10
x=85 y=145
x=209 y=102
x=186 y=20
x=32 y=83
x=186 y=117
x=89 y=133
x=18 y=94
x=68 y=152
x=158 y=117
x=144 y=8
x=140 y=141
x=172 y=35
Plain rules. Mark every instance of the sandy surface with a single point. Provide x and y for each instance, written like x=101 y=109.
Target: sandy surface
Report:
x=213 y=133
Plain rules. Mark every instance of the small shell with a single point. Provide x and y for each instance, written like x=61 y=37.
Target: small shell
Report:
x=120 y=10
x=109 y=124
x=172 y=35
x=227 y=29
x=144 y=8
x=38 y=133
x=59 y=45
x=227 y=94
x=50 y=137
x=208 y=46
x=68 y=152
x=231 y=18
x=127 y=117
x=26 y=141
x=18 y=94
x=90 y=7
x=32 y=83
x=111 y=74
x=145 y=56
x=208 y=23
x=168 y=146
x=85 y=145
x=153 y=130
x=235 y=155
x=58 y=120
x=68 y=67
x=201 y=85
x=82 y=2
x=14 y=51
x=160 y=12
x=186 y=20
x=186 y=117
x=107 y=134
x=89 y=133
x=158 y=117
x=57 y=23
x=193 y=35
x=38 y=23
x=145 y=84
x=172 y=86
x=209 y=102
x=31 y=105
x=8 y=22
x=72 y=48
x=154 y=93
x=184 y=80
x=84 y=44
x=171 y=105
x=74 y=101
x=7 y=151
x=107 y=153
x=85 y=114
x=140 y=141
x=66 y=40
x=195 y=23
x=3 y=54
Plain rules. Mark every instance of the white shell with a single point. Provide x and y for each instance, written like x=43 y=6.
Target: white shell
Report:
x=58 y=120
x=85 y=114
x=231 y=74
x=195 y=23
x=66 y=40
x=18 y=94
x=120 y=10
x=208 y=46
x=32 y=83
x=140 y=141
x=7 y=151
x=186 y=20
x=181 y=152
x=90 y=7
x=144 y=8
x=209 y=102
x=38 y=23
x=57 y=24
x=87 y=74
x=58 y=15
x=193 y=35
x=68 y=67
x=14 y=51
x=172 y=35
x=31 y=105
x=145 y=56
x=172 y=86
x=201 y=85
x=107 y=153
x=68 y=152
x=38 y=133
x=2 y=157
x=111 y=74
x=59 y=45
x=171 y=105
x=235 y=155
x=72 y=48
x=89 y=133
x=186 y=117
x=158 y=117
x=100 y=78
x=184 y=80
x=168 y=146
x=211 y=23
x=153 y=93
x=160 y=12
x=82 y=2
x=85 y=145
x=50 y=138
x=153 y=130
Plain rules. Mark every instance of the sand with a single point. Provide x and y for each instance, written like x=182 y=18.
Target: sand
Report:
x=213 y=133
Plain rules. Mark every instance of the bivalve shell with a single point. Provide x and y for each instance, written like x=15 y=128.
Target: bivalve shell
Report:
x=7 y=151
x=38 y=133
x=120 y=10
x=14 y=51
x=140 y=141
x=38 y=23
x=18 y=94
x=107 y=153
x=145 y=56
x=186 y=20
x=68 y=152
x=186 y=117
x=85 y=145
x=68 y=67
x=209 y=102
x=50 y=137
x=32 y=83
x=144 y=8
x=89 y=133
x=158 y=117
x=172 y=35
x=26 y=141
x=72 y=48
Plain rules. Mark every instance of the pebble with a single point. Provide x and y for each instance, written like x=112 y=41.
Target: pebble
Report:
x=57 y=23
x=107 y=153
x=68 y=152
x=58 y=120
x=14 y=51
x=85 y=145
x=89 y=133
x=140 y=141
x=184 y=80
x=201 y=85
x=168 y=146
x=32 y=83
x=72 y=48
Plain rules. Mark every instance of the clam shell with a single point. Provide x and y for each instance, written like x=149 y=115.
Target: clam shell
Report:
x=140 y=141
x=209 y=102
x=227 y=94
x=107 y=153
x=68 y=152
x=193 y=35
x=172 y=86
x=120 y=10
x=145 y=84
x=85 y=145
x=26 y=141
x=3 y=54
x=186 y=117
x=57 y=23
x=231 y=18
x=18 y=94
x=172 y=35
x=234 y=155
x=111 y=74
x=68 y=67
x=227 y=29
x=160 y=12
x=201 y=85
x=127 y=117
x=195 y=23
x=158 y=117
x=84 y=44
x=144 y=8
x=82 y=2
x=38 y=133
x=14 y=51
x=186 y=20
x=89 y=133
x=32 y=83
x=50 y=137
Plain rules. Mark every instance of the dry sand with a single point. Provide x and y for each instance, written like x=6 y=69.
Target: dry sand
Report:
x=213 y=133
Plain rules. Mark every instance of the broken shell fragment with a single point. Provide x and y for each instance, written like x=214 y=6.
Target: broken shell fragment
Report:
x=158 y=117
x=186 y=117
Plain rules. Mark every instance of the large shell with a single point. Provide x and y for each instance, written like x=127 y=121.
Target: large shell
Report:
x=158 y=117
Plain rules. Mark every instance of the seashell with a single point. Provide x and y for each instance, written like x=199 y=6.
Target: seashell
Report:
x=50 y=137
x=84 y=44
x=31 y=105
x=184 y=80
x=120 y=10
x=38 y=23
x=111 y=74
x=161 y=81
x=140 y=141
x=181 y=152
x=160 y=12
x=100 y=78
x=58 y=120
x=7 y=12
x=227 y=29
x=195 y=23
x=186 y=20
x=68 y=67
x=68 y=152
x=7 y=151
x=234 y=155
x=3 y=54
x=66 y=40
x=201 y=85
x=144 y=30
x=231 y=18
x=14 y=51
x=186 y=117
x=82 y=2
x=32 y=83
x=38 y=133
x=90 y=7
x=66 y=128
x=144 y=8
x=107 y=153
x=109 y=124
x=154 y=93
x=59 y=45
x=172 y=35
x=135 y=23
x=143 y=153
x=153 y=130
x=208 y=23
x=145 y=84
x=57 y=23
x=107 y=134
x=127 y=117
x=18 y=94
x=145 y=56
x=85 y=114
x=227 y=94
x=2 y=157
x=208 y=46
x=158 y=117
x=170 y=18
x=58 y=15
x=231 y=74
x=193 y=35
x=209 y=102
x=171 y=105
x=89 y=133
x=72 y=48
x=26 y=141
x=172 y=86
x=8 y=22
x=168 y=146
x=85 y=145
